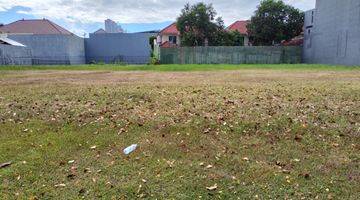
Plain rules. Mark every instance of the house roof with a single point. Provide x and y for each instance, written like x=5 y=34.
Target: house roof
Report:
x=296 y=41
x=34 y=26
x=167 y=44
x=100 y=31
x=239 y=26
x=169 y=30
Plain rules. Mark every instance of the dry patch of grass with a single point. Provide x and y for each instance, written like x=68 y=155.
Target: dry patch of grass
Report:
x=201 y=135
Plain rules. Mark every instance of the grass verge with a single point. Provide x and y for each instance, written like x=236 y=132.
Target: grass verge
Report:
x=170 y=68
x=226 y=136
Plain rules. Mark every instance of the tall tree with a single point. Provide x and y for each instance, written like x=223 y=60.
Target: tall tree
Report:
x=198 y=25
x=274 y=21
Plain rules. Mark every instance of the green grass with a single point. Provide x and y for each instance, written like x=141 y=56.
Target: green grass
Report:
x=267 y=134
x=168 y=68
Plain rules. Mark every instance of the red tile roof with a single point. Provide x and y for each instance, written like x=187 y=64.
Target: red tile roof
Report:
x=167 y=44
x=34 y=26
x=296 y=41
x=239 y=26
x=170 y=30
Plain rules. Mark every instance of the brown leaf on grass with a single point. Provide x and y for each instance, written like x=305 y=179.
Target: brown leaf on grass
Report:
x=206 y=131
x=298 y=138
x=209 y=167
x=335 y=145
x=246 y=159
x=7 y=164
x=82 y=191
x=60 y=185
x=87 y=170
x=306 y=175
x=212 y=188
x=170 y=163
x=71 y=176
x=122 y=130
x=285 y=171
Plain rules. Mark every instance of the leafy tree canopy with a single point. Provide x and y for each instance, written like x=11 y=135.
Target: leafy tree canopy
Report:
x=274 y=21
x=198 y=25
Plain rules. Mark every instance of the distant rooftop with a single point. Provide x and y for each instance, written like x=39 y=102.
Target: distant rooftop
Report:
x=100 y=31
x=169 y=30
x=239 y=26
x=34 y=26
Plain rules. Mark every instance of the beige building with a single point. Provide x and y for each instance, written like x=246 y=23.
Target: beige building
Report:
x=169 y=37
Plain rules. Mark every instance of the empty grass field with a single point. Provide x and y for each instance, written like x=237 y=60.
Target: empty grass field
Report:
x=203 y=132
x=174 y=67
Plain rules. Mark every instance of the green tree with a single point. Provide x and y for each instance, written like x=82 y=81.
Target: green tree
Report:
x=274 y=21
x=152 y=41
x=198 y=25
x=229 y=38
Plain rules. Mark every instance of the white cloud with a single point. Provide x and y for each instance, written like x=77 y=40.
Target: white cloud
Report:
x=131 y=11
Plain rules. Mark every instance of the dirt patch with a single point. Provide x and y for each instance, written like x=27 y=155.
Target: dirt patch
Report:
x=218 y=77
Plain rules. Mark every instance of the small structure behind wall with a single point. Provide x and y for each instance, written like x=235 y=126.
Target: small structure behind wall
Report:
x=13 y=53
x=54 y=49
x=117 y=48
x=49 y=43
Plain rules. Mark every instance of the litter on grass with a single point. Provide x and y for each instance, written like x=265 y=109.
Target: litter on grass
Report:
x=130 y=149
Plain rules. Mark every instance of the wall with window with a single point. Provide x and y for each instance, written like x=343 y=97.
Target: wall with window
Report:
x=171 y=39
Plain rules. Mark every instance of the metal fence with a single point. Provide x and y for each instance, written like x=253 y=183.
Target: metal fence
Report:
x=53 y=49
x=14 y=55
x=231 y=55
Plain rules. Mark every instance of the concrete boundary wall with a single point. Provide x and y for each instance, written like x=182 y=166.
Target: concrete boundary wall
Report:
x=54 y=49
x=14 y=55
x=334 y=36
x=230 y=55
x=131 y=48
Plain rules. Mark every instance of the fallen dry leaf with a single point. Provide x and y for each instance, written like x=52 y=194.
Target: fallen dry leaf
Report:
x=5 y=164
x=212 y=188
x=209 y=167
x=60 y=185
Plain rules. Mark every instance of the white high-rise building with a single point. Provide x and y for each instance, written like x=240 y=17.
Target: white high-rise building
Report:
x=112 y=27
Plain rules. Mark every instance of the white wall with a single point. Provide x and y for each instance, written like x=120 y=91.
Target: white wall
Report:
x=165 y=38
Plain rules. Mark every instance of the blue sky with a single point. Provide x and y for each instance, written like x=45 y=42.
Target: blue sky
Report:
x=86 y=16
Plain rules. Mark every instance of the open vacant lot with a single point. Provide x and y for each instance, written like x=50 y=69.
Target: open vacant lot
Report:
x=280 y=132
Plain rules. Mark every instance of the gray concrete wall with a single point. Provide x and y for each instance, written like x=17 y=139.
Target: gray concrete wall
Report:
x=335 y=36
x=14 y=55
x=54 y=49
x=230 y=55
x=131 y=48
